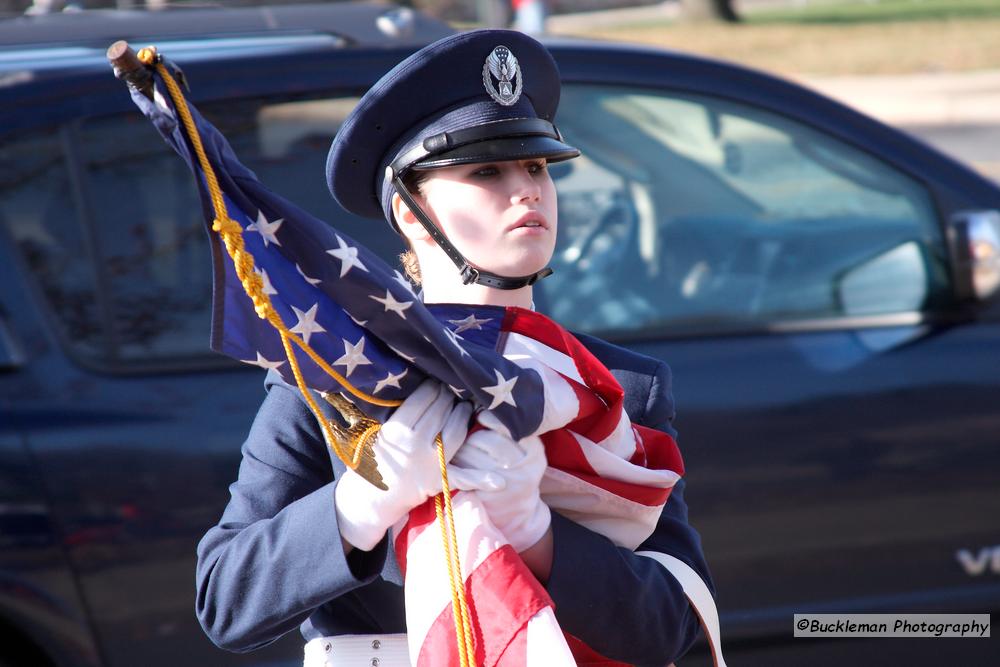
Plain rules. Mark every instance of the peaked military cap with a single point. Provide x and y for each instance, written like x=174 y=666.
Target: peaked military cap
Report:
x=479 y=96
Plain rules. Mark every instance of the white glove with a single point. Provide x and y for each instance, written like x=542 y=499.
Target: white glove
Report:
x=516 y=509
x=408 y=462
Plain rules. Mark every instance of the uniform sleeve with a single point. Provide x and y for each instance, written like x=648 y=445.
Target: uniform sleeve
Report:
x=276 y=553
x=635 y=612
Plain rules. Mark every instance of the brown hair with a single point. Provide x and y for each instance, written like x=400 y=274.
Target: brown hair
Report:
x=413 y=180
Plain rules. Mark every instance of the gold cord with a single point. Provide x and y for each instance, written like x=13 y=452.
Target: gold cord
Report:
x=232 y=236
x=460 y=608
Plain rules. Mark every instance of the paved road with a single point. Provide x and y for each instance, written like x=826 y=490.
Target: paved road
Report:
x=958 y=112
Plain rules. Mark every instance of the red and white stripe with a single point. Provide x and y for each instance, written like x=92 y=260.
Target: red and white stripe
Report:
x=604 y=472
x=511 y=613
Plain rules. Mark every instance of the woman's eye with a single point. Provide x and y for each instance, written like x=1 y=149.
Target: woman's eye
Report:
x=536 y=167
x=485 y=172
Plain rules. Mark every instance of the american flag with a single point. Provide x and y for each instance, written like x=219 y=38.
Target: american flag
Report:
x=604 y=473
x=356 y=312
x=535 y=378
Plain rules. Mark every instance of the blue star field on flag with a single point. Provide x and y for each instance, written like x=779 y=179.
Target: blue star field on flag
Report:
x=360 y=315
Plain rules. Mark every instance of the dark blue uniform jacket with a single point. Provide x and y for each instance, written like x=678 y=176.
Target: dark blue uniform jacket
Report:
x=275 y=559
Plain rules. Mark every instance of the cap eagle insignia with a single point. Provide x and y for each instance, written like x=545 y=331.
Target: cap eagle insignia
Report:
x=501 y=66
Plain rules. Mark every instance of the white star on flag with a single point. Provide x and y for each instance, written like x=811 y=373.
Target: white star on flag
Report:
x=470 y=322
x=354 y=356
x=307 y=324
x=501 y=391
x=456 y=391
x=401 y=279
x=348 y=256
x=360 y=323
x=390 y=303
x=389 y=381
x=311 y=281
x=268 y=288
x=267 y=230
x=400 y=354
x=454 y=338
x=263 y=363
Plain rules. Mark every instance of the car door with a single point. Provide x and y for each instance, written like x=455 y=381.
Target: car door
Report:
x=836 y=400
x=131 y=426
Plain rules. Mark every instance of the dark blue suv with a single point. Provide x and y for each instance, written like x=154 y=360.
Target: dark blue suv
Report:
x=823 y=286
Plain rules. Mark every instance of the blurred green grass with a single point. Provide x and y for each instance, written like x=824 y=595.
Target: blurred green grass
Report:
x=875 y=11
x=851 y=37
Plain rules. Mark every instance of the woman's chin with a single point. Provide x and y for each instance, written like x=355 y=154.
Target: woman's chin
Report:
x=527 y=261
x=516 y=270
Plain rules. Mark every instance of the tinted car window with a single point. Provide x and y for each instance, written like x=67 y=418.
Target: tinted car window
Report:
x=153 y=240
x=689 y=210
x=38 y=209
x=151 y=244
x=135 y=225
x=683 y=211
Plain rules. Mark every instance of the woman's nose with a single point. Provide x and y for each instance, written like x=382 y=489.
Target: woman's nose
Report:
x=525 y=187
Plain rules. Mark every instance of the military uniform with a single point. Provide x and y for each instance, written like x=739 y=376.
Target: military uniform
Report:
x=276 y=559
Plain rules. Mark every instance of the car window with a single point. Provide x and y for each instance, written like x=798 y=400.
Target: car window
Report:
x=40 y=214
x=151 y=245
x=138 y=216
x=155 y=242
x=689 y=211
x=683 y=212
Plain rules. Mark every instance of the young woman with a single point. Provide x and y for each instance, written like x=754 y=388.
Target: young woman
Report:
x=452 y=148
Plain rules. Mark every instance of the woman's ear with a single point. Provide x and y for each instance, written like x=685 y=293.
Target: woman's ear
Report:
x=407 y=222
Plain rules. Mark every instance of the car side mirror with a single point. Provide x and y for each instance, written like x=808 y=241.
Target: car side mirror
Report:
x=892 y=281
x=11 y=352
x=974 y=243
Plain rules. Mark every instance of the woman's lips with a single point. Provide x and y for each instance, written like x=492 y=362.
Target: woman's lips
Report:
x=533 y=220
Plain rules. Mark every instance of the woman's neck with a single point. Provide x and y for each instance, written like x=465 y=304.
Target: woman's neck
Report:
x=442 y=283
x=478 y=295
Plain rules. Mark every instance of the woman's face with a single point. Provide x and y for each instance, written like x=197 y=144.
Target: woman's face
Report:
x=500 y=215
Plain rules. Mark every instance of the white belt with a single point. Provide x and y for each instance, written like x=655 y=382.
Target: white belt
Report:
x=357 y=651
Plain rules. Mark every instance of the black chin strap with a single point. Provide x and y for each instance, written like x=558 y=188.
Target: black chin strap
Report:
x=470 y=274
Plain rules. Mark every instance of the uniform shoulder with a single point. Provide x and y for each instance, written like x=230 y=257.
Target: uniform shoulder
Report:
x=283 y=393
x=645 y=380
x=618 y=358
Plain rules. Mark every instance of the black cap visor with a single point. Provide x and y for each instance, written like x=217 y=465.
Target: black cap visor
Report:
x=500 y=149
